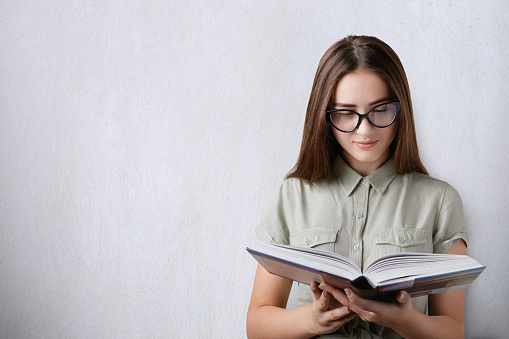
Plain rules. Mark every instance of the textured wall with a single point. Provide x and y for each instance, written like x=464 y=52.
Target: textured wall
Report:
x=140 y=143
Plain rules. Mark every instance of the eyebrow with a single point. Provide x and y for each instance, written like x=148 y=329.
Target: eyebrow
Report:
x=376 y=102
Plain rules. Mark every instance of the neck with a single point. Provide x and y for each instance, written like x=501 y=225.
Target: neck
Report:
x=365 y=168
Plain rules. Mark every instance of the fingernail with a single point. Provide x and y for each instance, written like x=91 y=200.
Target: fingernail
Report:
x=320 y=286
x=346 y=310
x=348 y=292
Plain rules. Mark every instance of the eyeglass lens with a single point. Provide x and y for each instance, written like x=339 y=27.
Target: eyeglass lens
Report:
x=379 y=116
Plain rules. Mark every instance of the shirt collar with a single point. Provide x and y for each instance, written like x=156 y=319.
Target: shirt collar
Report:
x=349 y=179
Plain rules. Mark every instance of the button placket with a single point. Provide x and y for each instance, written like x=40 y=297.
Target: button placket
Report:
x=360 y=195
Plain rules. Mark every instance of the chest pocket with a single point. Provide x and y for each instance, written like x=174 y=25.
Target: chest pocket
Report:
x=401 y=240
x=322 y=239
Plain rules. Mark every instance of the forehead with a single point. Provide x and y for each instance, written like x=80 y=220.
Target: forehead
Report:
x=360 y=88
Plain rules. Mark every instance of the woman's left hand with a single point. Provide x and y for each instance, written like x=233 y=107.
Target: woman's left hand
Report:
x=389 y=314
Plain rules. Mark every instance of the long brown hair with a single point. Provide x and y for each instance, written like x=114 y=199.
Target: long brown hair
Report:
x=319 y=146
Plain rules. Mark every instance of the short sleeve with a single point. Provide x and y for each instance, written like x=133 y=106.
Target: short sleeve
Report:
x=450 y=225
x=273 y=227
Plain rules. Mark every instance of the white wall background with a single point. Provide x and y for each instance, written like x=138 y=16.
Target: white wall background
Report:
x=140 y=142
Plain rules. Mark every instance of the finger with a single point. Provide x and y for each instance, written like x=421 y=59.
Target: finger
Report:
x=339 y=319
x=403 y=298
x=317 y=293
x=338 y=294
x=366 y=309
x=339 y=313
x=334 y=303
x=324 y=301
x=355 y=299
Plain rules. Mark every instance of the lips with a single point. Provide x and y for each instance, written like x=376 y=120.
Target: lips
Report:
x=366 y=144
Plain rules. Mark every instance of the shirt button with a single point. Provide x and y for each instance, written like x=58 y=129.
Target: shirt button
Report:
x=363 y=181
x=360 y=215
x=401 y=240
x=307 y=241
x=356 y=247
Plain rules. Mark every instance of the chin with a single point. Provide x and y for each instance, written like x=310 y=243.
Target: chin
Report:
x=367 y=158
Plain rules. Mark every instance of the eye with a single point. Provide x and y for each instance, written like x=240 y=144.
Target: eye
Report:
x=346 y=115
x=380 y=109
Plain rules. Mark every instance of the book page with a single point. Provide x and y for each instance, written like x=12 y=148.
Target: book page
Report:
x=410 y=266
x=324 y=261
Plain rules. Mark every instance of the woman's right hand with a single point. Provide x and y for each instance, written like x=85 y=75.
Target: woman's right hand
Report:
x=328 y=314
x=268 y=317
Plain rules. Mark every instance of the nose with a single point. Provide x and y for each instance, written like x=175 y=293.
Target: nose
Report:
x=365 y=128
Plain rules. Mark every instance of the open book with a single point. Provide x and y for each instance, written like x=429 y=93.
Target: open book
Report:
x=416 y=273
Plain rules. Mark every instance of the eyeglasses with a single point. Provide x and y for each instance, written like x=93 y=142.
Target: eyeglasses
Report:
x=381 y=116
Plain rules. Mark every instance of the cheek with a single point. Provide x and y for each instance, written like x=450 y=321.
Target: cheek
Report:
x=391 y=133
x=341 y=137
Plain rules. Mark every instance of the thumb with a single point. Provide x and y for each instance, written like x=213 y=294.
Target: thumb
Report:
x=403 y=297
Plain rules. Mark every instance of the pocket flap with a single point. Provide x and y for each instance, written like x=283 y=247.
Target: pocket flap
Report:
x=402 y=237
x=313 y=237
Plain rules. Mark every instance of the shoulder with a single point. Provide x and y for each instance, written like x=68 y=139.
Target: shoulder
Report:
x=299 y=198
x=427 y=186
x=425 y=181
x=295 y=187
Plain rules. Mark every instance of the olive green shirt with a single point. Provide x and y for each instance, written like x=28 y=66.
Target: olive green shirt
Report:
x=363 y=218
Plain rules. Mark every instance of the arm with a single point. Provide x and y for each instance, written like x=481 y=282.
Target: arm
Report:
x=445 y=319
x=268 y=317
x=448 y=307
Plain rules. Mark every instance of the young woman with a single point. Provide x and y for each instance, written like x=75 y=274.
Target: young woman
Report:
x=359 y=189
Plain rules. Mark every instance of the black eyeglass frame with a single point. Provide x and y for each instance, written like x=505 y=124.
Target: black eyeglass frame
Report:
x=366 y=115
